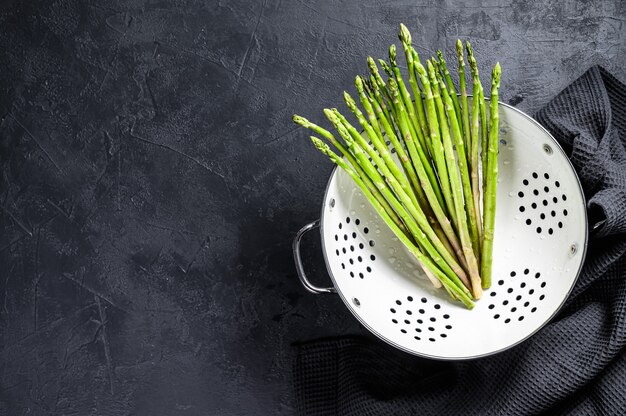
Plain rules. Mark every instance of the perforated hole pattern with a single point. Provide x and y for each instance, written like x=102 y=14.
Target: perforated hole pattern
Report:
x=515 y=297
x=354 y=236
x=542 y=202
x=421 y=319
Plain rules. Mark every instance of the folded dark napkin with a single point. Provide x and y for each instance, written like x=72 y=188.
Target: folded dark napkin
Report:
x=575 y=365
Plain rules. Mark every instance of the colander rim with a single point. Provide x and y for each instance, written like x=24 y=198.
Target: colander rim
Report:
x=490 y=353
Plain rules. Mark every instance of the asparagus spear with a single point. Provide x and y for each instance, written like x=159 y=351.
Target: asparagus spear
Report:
x=482 y=107
x=450 y=84
x=378 y=79
x=331 y=138
x=418 y=156
x=409 y=141
x=475 y=132
x=405 y=38
x=421 y=114
x=462 y=86
x=385 y=66
x=492 y=178
x=379 y=145
x=468 y=241
x=424 y=260
x=376 y=97
x=412 y=216
x=435 y=137
x=422 y=199
x=428 y=182
x=406 y=97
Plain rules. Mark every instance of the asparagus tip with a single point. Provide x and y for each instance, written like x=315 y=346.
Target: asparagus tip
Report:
x=440 y=56
x=421 y=71
x=459 y=48
x=330 y=115
x=392 y=54
x=300 y=120
x=320 y=145
x=349 y=100
x=497 y=72
x=371 y=64
x=385 y=67
x=470 y=56
x=358 y=82
x=405 y=35
x=393 y=87
x=431 y=68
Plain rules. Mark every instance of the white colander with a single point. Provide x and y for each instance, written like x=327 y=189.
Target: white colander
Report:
x=539 y=247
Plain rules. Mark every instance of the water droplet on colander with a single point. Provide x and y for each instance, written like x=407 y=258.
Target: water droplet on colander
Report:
x=507 y=162
x=377 y=231
x=362 y=206
x=353 y=212
x=510 y=147
x=512 y=193
x=392 y=250
x=392 y=260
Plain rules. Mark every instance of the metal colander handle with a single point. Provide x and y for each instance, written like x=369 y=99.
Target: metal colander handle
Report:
x=298 y=260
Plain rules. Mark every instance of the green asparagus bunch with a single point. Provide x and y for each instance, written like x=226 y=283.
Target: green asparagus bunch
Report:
x=430 y=196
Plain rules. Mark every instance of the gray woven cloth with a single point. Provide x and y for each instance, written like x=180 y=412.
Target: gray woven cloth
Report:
x=575 y=365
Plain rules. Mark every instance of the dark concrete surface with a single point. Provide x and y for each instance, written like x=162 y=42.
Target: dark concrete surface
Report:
x=152 y=182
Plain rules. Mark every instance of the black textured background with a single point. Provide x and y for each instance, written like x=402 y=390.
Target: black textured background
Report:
x=152 y=182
